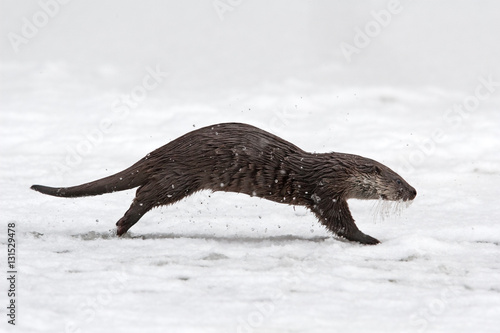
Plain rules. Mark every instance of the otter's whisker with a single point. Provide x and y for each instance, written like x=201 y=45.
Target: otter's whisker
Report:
x=383 y=209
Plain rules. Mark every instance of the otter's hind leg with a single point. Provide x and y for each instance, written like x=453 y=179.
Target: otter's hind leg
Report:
x=134 y=213
x=143 y=202
x=152 y=195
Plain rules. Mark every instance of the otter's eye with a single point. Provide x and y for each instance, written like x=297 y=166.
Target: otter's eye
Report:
x=398 y=181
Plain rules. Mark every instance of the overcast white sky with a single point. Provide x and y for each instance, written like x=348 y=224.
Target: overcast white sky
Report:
x=441 y=43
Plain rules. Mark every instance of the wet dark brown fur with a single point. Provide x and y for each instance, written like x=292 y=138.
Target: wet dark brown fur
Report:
x=240 y=158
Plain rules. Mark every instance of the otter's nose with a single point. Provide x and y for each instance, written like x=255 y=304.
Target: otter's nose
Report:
x=413 y=193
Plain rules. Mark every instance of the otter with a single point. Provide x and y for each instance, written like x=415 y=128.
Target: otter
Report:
x=241 y=158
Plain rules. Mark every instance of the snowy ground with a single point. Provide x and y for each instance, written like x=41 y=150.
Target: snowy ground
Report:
x=230 y=263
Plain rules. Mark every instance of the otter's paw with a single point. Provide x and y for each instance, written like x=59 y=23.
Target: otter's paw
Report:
x=362 y=238
x=122 y=227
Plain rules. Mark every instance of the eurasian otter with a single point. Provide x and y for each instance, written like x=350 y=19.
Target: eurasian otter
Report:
x=240 y=158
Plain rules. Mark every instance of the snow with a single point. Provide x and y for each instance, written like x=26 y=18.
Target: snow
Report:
x=224 y=262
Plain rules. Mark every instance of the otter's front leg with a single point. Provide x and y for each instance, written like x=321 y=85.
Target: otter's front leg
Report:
x=336 y=216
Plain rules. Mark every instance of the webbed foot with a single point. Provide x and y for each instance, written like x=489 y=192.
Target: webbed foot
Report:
x=362 y=238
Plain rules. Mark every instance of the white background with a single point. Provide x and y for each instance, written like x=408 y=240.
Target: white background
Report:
x=226 y=262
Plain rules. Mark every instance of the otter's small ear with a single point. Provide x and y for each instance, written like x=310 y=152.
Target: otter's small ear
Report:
x=377 y=170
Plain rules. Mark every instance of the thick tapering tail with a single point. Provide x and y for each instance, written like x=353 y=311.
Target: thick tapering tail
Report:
x=124 y=180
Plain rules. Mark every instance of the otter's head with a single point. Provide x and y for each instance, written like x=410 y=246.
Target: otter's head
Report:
x=373 y=180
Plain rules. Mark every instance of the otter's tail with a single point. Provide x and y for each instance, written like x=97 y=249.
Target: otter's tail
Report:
x=124 y=180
